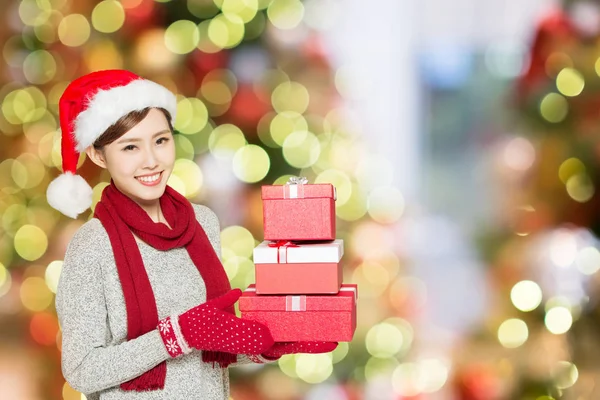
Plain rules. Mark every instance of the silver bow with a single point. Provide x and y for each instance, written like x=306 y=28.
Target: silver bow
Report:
x=297 y=180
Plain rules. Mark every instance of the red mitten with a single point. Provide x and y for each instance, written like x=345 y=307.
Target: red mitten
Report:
x=281 y=348
x=208 y=327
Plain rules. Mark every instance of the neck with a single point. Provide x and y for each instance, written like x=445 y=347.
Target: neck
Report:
x=154 y=212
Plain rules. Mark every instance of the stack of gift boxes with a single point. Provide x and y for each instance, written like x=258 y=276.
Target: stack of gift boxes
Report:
x=299 y=293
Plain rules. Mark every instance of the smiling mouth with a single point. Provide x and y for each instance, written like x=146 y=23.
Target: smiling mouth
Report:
x=149 y=179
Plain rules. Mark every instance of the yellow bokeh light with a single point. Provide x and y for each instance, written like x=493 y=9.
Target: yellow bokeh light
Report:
x=290 y=96
x=251 y=163
x=39 y=67
x=580 y=188
x=74 y=30
x=313 y=368
x=513 y=333
x=283 y=124
x=34 y=13
x=341 y=182
x=226 y=31
x=407 y=379
x=24 y=105
x=19 y=174
x=225 y=140
x=190 y=174
x=68 y=393
x=355 y=207
x=192 y=116
x=588 y=260
x=377 y=368
x=101 y=55
x=287 y=365
x=206 y=44
x=565 y=374
x=554 y=107
x=402 y=325
x=340 y=352
x=30 y=242
x=5 y=280
x=244 y=9
x=385 y=204
x=182 y=36
x=52 y=275
x=177 y=184
x=31 y=171
x=13 y=218
x=36 y=130
x=301 y=149
x=570 y=167
x=216 y=92
x=239 y=240
x=35 y=295
x=384 y=340
x=372 y=278
x=526 y=295
x=97 y=193
x=285 y=14
x=184 y=148
x=570 y=82
x=151 y=51
x=434 y=374
x=202 y=9
x=235 y=264
x=558 y=320
x=108 y=16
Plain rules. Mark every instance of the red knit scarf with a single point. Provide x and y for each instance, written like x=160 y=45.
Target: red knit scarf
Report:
x=122 y=218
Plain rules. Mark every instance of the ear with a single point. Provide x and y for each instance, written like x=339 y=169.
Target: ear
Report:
x=97 y=156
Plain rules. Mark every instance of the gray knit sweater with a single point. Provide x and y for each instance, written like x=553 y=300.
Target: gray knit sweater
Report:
x=96 y=355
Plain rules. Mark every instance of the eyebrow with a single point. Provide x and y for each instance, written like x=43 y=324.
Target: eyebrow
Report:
x=137 y=139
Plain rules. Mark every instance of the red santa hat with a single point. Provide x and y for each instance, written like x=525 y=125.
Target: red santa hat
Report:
x=87 y=108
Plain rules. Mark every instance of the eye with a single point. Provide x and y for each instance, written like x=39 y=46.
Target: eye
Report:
x=162 y=140
x=129 y=147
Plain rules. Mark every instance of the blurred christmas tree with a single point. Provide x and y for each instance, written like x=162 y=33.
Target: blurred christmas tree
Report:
x=545 y=256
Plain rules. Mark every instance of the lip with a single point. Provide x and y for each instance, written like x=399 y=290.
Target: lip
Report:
x=156 y=182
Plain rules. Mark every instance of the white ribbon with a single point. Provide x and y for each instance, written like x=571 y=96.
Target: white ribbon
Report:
x=295 y=303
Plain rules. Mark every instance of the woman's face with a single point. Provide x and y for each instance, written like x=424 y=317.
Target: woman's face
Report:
x=141 y=161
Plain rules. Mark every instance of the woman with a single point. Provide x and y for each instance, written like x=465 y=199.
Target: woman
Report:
x=144 y=303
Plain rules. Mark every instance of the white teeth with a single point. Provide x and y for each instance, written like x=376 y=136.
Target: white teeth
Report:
x=149 y=179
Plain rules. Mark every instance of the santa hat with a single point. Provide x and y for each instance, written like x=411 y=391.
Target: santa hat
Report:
x=87 y=108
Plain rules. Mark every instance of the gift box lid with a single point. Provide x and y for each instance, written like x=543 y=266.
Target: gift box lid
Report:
x=284 y=251
x=301 y=191
x=345 y=300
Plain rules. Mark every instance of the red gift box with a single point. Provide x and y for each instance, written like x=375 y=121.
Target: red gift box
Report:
x=298 y=268
x=291 y=318
x=299 y=212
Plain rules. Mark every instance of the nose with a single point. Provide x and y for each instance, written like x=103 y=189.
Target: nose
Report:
x=150 y=159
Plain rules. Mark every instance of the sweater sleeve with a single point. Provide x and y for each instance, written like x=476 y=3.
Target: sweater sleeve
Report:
x=210 y=223
x=89 y=362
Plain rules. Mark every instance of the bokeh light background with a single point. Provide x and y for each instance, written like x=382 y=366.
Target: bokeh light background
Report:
x=401 y=105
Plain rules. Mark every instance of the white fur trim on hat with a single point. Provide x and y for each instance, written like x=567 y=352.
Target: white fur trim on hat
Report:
x=107 y=106
x=70 y=194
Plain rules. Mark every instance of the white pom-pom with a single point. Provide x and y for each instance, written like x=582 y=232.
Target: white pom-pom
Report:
x=70 y=194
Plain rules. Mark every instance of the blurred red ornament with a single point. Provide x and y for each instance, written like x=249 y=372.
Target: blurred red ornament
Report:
x=140 y=16
x=553 y=28
x=247 y=108
x=43 y=328
x=202 y=63
x=476 y=383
